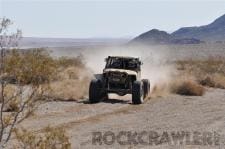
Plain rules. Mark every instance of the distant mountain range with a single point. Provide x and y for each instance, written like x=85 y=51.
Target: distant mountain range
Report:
x=155 y=36
x=36 y=42
x=212 y=32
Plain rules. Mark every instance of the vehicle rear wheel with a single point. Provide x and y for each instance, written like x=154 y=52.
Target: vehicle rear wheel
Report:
x=137 y=93
x=146 y=87
x=95 y=91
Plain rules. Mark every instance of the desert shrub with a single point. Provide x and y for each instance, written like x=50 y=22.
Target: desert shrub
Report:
x=72 y=83
x=215 y=80
x=203 y=66
x=29 y=67
x=63 y=78
x=12 y=106
x=209 y=72
x=189 y=88
x=207 y=81
x=65 y=62
x=51 y=138
x=24 y=75
x=219 y=80
x=29 y=76
x=72 y=79
x=24 y=78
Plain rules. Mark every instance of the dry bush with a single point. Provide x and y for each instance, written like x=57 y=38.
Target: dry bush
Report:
x=12 y=106
x=219 y=80
x=207 y=81
x=72 y=79
x=215 y=80
x=24 y=79
x=28 y=77
x=65 y=62
x=33 y=66
x=72 y=84
x=66 y=77
x=24 y=75
x=51 y=138
x=189 y=88
x=210 y=72
x=181 y=84
x=210 y=65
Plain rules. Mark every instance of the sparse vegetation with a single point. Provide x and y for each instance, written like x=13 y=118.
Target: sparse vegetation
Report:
x=216 y=81
x=207 y=72
x=207 y=81
x=25 y=77
x=50 y=138
x=189 y=88
x=29 y=67
x=36 y=75
x=65 y=62
x=61 y=77
x=72 y=80
x=192 y=76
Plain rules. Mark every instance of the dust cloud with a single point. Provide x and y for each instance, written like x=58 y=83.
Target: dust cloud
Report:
x=156 y=66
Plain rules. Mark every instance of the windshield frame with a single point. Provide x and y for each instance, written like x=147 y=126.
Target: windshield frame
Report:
x=110 y=60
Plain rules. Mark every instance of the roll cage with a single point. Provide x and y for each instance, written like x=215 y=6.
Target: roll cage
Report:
x=127 y=63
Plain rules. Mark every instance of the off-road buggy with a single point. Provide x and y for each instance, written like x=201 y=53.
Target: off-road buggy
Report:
x=121 y=75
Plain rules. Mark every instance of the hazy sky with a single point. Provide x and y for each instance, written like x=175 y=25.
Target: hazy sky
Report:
x=109 y=18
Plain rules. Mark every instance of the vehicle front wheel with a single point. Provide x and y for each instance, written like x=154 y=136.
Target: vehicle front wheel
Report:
x=137 y=93
x=95 y=91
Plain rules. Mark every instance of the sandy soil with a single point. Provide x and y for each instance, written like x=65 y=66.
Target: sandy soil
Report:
x=170 y=113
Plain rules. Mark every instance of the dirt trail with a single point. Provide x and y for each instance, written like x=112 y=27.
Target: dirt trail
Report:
x=171 y=113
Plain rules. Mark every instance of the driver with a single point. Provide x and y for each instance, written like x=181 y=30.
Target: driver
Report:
x=131 y=64
x=117 y=63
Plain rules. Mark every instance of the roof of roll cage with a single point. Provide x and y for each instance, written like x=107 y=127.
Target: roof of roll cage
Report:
x=125 y=57
x=123 y=62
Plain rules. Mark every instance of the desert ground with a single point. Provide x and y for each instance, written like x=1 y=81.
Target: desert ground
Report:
x=164 y=111
x=171 y=113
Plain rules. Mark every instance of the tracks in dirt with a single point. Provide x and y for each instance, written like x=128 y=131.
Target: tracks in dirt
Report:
x=88 y=113
x=99 y=117
x=128 y=108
